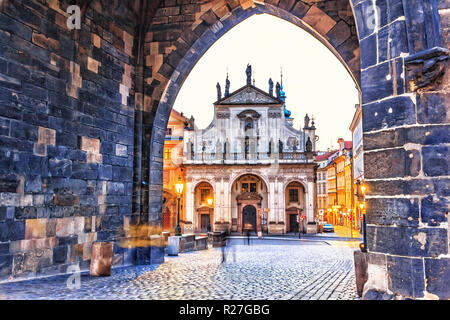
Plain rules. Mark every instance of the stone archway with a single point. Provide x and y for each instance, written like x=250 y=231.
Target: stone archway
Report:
x=295 y=204
x=202 y=214
x=94 y=116
x=401 y=102
x=249 y=217
x=333 y=26
x=247 y=189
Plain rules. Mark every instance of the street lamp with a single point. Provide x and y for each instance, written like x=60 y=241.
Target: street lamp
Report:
x=361 y=207
x=363 y=189
x=210 y=202
x=179 y=191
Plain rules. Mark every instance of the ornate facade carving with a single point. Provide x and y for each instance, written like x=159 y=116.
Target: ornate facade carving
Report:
x=249 y=95
x=426 y=68
x=253 y=129
x=272 y=114
x=223 y=115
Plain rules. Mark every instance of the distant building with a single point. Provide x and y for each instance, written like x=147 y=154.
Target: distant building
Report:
x=358 y=158
x=258 y=169
x=322 y=184
x=339 y=173
x=173 y=170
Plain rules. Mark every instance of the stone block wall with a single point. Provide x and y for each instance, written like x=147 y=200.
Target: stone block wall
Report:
x=83 y=116
x=406 y=138
x=66 y=134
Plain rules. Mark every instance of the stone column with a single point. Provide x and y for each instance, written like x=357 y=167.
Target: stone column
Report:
x=226 y=207
x=272 y=212
x=189 y=209
x=281 y=203
x=239 y=218
x=217 y=216
x=310 y=201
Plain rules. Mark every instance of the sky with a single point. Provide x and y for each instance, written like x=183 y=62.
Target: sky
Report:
x=315 y=81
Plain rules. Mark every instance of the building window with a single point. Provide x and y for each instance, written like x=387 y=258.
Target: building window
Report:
x=248 y=187
x=293 y=195
x=169 y=132
x=204 y=195
x=166 y=177
x=167 y=154
x=248 y=124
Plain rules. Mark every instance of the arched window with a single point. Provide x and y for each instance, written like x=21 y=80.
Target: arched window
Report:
x=248 y=123
x=247 y=147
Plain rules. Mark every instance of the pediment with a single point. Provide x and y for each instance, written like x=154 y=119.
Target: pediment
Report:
x=249 y=95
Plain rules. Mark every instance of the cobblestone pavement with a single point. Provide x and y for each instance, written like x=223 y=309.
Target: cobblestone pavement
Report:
x=266 y=269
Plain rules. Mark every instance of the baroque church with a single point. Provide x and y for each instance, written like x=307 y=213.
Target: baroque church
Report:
x=250 y=169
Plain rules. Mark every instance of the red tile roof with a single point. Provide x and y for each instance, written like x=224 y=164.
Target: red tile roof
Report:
x=175 y=113
x=326 y=155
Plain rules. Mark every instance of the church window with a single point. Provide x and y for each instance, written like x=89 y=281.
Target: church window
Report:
x=204 y=195
x=249 y=187
x=248 y=124
x=293 y=195
x=247 y=147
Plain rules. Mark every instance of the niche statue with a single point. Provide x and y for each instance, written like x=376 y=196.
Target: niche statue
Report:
x=308 y=145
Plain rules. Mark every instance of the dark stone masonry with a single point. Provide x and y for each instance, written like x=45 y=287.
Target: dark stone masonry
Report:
x=83 y=115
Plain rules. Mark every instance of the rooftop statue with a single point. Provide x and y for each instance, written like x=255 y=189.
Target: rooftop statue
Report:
x=271 y=87
x=248 y=71
x=227 y=87
x=306 y=121
x=278 y=90
x=219 y=92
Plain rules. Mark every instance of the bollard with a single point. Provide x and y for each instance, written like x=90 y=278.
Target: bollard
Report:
x=174 y=246
x=360 y=270
x=101 y=259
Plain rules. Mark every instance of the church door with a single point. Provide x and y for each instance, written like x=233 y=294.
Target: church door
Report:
x=204 y=222
x=166 y=220
x=249 y=218
x=293 y=224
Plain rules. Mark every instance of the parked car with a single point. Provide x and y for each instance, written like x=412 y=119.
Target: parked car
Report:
x=328 y=227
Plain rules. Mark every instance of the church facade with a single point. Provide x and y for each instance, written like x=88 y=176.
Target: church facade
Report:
x=250 y=169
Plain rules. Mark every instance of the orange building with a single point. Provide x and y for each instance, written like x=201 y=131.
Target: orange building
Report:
x=358 y=163
x=173 y=169
x=322 y=185
x=340 y=188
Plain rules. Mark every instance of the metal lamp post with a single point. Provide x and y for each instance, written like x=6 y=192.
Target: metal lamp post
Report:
x=361 y=206
x=179 y=191
x=210 y=202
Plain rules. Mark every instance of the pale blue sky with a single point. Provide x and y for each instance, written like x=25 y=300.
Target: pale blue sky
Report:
x=314 y=80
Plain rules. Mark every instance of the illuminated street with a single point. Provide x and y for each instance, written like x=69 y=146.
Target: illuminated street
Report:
x=267 y=269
